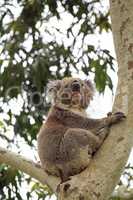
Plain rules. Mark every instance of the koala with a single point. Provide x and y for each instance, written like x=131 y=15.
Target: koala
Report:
x=68 y=139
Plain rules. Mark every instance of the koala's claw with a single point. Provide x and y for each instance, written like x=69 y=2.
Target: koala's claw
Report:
x=109 y=114
x=120 y=115
x=117 y=117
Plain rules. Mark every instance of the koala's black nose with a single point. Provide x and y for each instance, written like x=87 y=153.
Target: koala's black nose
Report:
x=75 y=87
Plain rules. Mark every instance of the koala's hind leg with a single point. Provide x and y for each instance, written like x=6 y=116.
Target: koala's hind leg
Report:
x=76 y=138
x=76 y=148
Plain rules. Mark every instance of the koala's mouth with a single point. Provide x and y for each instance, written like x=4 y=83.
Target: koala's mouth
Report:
x=73 y=98
x=76 y=95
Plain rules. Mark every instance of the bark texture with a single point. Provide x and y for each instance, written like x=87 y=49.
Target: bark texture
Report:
x=99 y=179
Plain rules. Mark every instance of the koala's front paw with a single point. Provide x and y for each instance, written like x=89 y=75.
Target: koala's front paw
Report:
x=120 y=115
x=116 y=117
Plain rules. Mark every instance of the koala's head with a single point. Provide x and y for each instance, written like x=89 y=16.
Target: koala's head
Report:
x=71 y=92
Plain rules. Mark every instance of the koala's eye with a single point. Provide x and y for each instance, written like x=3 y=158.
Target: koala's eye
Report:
x=50 y=90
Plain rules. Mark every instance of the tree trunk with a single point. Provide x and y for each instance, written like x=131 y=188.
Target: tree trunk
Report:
x=99 y=180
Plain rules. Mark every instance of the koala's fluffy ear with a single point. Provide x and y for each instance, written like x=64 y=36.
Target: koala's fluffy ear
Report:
x=52 y=88
x=90 y=85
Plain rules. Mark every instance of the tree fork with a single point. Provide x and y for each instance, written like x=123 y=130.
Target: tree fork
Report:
x=98 y=181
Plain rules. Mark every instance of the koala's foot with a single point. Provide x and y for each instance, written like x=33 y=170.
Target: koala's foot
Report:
x=67 y=185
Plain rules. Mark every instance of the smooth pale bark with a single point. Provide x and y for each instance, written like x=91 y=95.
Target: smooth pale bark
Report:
x=99 y=179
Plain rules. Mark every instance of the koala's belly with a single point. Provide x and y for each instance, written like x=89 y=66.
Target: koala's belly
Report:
x=72 y=167
x=56 y=156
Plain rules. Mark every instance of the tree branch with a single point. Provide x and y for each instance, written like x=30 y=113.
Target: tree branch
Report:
x=29 y=167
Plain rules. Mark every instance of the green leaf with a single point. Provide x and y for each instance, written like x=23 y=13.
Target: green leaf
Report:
x=1 y=124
